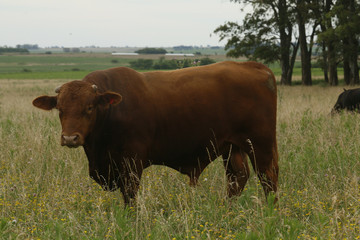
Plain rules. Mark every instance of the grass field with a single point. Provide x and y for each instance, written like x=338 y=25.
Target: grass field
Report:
x=77 y=65
x=46 y=193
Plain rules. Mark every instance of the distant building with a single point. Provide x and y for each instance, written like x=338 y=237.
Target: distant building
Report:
x=124 y=54
x=180 y=54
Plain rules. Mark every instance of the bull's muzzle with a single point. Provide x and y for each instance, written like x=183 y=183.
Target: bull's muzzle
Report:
x=72 y=141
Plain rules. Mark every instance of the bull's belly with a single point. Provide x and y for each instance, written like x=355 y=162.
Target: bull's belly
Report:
x=178 y=157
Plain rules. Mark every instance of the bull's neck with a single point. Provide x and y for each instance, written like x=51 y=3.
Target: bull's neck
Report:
x=100 y=129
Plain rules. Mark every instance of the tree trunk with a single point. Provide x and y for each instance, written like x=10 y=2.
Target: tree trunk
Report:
x=292 y=60
x=347 y=72
x=325 y=64
x=319 y=9
x=354 y=67
x=284 y=73
x=346 y=61
x=331 y=51
x=305 y=54
x=285 y=30
x=354 y=45
x=333 y=80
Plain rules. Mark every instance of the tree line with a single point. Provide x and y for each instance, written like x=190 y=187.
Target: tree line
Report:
x=28 y=46
x=13 y=50
x=277 y=30
x=164 y=64
x=151 y=51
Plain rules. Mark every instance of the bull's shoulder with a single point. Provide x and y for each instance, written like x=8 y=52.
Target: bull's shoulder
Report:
x=112 y=74
x=124 y=72
x=115 y=79
x=249 y=65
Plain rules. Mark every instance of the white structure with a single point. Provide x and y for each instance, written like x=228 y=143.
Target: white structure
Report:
x=124 y=54
x=166 y=54
x=180 y=54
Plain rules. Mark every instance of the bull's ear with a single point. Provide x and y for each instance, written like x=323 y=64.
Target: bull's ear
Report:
x=109 y=98
x=45 y=102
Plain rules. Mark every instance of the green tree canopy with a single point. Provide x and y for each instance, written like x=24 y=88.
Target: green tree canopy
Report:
x=265 y=34
x=151 y=51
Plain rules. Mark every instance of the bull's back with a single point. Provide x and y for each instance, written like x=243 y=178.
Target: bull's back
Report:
x=192 y=106
x=217 y=89
x=246 y=75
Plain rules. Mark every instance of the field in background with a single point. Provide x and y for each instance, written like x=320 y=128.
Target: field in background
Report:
x=46 y=193
x=203 y=50
x=69 y=65
x=77 y=65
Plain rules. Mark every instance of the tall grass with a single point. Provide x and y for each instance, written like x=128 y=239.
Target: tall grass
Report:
x=46 y=193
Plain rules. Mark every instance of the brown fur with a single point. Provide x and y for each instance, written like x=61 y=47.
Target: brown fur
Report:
x=182 y=119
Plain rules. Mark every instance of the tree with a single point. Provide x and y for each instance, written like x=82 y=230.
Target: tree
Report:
x=329 y=39
x=265 y=34
x=320 y=10
x=13 y=50
x=347 y=29
x=304 y=17
x=151 y=51
x=142 y=64
x=339 y=36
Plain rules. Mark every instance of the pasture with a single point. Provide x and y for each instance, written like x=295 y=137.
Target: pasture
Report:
x=69 y=65
x=76 y=65
x=46 y=193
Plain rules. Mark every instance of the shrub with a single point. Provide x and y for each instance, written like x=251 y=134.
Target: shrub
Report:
x=165 y=64
x=13 y=50
x=187 y=63
x=206 y=61
x=151 y=51
x=142 y=64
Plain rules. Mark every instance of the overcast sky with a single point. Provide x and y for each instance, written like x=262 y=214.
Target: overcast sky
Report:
x=104 y=23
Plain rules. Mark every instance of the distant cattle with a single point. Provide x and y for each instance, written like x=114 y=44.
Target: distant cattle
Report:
x=183 y=119
x=348 y=100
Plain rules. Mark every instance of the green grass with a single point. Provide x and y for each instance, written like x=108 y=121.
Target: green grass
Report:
x=76 y=66
x=46 y=193
x=60 y=66
x=45 y=75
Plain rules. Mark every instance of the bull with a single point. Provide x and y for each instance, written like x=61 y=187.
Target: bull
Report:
x=184 y=119
x=348 y=100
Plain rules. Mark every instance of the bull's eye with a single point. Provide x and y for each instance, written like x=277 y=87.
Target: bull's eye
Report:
x=89 y=109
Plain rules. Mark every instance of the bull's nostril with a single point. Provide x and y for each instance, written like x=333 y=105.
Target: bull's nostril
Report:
x=70 y=140
x=76 y=137
x=73 y=140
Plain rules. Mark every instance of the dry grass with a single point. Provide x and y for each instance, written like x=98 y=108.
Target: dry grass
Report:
x=45 y=191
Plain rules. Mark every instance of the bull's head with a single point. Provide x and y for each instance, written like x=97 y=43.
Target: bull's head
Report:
x=78 y=103
x=339 y=105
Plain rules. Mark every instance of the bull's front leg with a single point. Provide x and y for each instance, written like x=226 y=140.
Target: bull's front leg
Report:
x=129 y=179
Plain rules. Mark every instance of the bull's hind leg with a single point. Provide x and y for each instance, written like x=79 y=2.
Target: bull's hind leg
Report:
x=264 y=159
x=237 y=170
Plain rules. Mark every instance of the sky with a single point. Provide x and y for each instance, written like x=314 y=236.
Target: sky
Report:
x=105 y=23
